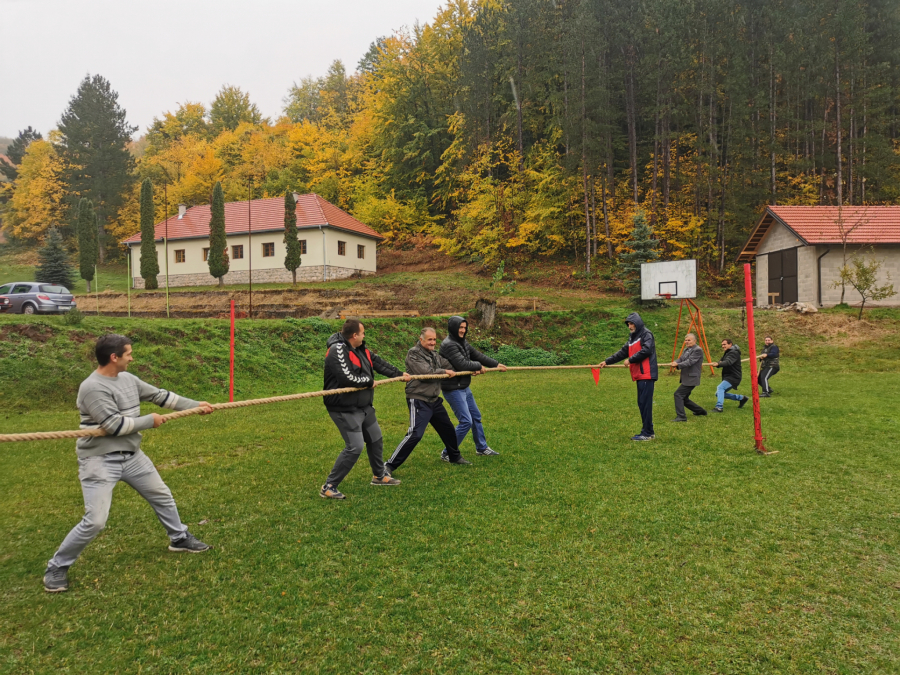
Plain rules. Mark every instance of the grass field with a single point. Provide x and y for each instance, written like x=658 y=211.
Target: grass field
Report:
x=574 y=551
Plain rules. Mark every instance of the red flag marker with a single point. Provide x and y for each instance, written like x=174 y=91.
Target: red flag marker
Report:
x=596 y=373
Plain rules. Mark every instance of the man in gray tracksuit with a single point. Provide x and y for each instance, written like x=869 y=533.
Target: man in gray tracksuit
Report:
x=690 y=363
x=424 y=401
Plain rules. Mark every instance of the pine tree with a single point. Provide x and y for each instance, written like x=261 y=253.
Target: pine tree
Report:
x=149 y=257
x=54 y=266
x=16 y=152
x=218 y=243
x=292 y=259
x=644 y=249
x=86 y=228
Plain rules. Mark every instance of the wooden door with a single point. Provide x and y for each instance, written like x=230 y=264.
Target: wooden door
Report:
x=783 y=275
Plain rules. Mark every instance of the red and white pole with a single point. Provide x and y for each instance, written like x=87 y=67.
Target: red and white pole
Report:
x=751 y=337
x=231 y=365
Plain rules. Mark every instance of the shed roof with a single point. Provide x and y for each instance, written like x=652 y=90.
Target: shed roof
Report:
x=265 y=215
x=824 y=224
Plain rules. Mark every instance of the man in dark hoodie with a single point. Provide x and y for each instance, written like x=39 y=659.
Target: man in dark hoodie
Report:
x=425 y=405
x=349 y=364
x=462 y=357
x=732 y=373
x=640 y=350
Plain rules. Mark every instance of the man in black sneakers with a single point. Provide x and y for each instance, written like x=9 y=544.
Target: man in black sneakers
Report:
x=732 y=373
x=690 y=363
x=110 y=398
x=425 y=403
x=768 y=367
x=349 y=364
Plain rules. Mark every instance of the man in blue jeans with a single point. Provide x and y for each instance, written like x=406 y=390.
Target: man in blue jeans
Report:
x=463 y=356
x=732 y=373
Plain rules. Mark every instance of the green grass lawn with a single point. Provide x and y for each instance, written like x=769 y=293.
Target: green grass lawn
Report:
x=574 y=551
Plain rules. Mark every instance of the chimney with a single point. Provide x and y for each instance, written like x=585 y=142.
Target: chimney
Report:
x=181 y=209
x=296 y=196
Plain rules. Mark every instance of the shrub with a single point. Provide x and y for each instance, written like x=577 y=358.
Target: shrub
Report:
x=73 y=317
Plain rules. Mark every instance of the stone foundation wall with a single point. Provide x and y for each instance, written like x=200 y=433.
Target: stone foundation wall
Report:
x=262 y=276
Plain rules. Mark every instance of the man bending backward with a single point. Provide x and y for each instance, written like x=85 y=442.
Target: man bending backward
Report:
x=110 y=398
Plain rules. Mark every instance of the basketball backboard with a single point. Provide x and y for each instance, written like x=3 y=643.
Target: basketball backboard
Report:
x=675 y=278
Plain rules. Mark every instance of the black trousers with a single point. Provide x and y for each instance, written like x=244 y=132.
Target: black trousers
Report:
x=421 y=414
x=645 y=405
x=765 y=373
x=682 y=399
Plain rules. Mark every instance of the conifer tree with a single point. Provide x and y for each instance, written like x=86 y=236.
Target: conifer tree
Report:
x=292 y=259
x=88 y=248
x=54 y=266
x=149 y=257
x=218 y=243
x=644 y=249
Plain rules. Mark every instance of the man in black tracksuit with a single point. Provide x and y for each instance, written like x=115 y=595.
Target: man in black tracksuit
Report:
x=732 y=374
x=462 y=357
x=640 y=350
x=768 y=366
x=349 y=364
x=425 y=404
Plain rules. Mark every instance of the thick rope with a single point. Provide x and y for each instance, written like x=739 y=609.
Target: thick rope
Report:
x=83 y=433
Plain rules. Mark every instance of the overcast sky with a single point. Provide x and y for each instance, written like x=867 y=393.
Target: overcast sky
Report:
x=159 y=53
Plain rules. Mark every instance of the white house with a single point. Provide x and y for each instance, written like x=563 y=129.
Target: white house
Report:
x=334 y=244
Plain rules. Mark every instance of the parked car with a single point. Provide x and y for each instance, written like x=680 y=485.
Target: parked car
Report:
x=33 y=297
x=5 y=304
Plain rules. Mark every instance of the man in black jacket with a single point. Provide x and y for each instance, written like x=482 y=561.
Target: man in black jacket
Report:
x=349 y=364
x=690 y=363
x=640 y=350
x=462 y=357
x=768 y=366
x=425 y=405
x=732 y=373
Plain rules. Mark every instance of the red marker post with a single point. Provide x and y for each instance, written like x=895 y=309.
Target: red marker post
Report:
x=231 y=365
x=754 y=385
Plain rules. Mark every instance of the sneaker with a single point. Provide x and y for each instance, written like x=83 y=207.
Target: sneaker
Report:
x=680 y=419
x=330 y=492
x=445 y=456
x=487 y=452
x=743 y=402
x=189 y=544
x=385 y=480
x=640 y=437
x=56 y=579
x=718 y=409
x=765 y=395
x=461 y=460
x=700 y=414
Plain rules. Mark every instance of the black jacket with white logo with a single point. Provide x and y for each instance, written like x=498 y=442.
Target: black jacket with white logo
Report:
x=348 y=367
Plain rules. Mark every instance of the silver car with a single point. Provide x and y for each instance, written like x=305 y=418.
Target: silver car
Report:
x=33 y=297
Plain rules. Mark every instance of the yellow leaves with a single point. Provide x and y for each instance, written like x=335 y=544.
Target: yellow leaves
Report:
x=39 y=191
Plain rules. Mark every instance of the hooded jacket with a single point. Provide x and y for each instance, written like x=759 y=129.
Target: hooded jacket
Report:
x=730 y=363
x=461 y=355
x=422 y=361
x=640 y=350
x=349 y=367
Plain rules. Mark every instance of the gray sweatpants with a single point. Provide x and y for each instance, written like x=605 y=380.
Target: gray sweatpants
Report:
x=358 y=428
x=98 y=476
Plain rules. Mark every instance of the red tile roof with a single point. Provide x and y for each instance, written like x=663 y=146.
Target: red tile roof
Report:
x=267 y=215
x=822 y=225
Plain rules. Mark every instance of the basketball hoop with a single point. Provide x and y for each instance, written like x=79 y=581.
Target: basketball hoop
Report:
x=667 y=296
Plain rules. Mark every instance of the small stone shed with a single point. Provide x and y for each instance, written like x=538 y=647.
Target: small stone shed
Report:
x=798 y=251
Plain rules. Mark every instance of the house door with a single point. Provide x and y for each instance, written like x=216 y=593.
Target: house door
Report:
x=783 y=275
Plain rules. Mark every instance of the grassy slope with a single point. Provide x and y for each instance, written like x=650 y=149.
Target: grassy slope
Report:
x=572 y=552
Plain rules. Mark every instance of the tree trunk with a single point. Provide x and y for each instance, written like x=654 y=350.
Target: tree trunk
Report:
x=631 y=113
x=221 y=281
x=772 y=121
x=609 y=247
x=584 y=172
x=837 y=123
x=294 y=276
x=487 y=312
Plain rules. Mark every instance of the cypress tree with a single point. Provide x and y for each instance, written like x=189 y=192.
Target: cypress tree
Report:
x=644 y=249
x=149 y=257
x=54 y=266
x=292 y=259
x=88 y=247
x=218 y=243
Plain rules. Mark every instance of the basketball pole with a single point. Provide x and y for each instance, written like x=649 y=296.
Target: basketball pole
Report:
x=754 y=385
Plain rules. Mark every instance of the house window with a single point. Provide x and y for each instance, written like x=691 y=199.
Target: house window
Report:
x=268 y=250
x=342 y=248
x=237 y=252
x=206 y=255
x=360 y=251
x=179 y=255
x=303 y=247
